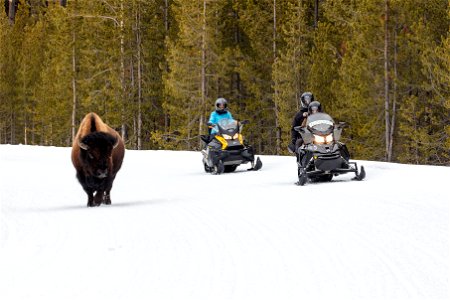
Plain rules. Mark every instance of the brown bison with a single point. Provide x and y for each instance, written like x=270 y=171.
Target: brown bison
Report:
x=97 y=154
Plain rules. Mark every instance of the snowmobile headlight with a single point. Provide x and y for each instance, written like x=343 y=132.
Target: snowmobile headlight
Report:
x=323 y=139
x=227 y=137
x=319 y=139
x=235 y=136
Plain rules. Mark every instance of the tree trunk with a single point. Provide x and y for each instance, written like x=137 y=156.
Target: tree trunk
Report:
x=394 y=100
x=316 y=13
x=166 y=27
x=203 y=74
x=25 y=111
x=74 y=86
x=236 y=78
x=133 y=86
x=276 y=108
x=122 y=67
x=32 y=132
x=12 y=11
x=386 y=76
x=25 y=132
x=139 y=79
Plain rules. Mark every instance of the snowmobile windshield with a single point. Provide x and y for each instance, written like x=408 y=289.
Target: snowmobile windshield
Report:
x=228 y=125
x=320 y=123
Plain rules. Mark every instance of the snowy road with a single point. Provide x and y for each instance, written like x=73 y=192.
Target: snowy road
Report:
x=174 y=232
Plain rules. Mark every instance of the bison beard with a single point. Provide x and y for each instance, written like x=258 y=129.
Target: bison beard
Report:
x=97 y=155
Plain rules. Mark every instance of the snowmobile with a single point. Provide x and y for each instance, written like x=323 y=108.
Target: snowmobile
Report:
x=322 y=156
x=226 y=150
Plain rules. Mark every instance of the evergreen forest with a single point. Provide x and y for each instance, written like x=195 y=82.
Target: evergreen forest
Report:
x=152 y=70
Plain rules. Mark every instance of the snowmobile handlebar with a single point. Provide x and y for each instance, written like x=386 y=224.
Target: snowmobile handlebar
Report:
x=341 y=125
x=299 y=128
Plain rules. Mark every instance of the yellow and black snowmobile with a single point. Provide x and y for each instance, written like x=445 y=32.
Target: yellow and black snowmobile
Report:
x=226 y=150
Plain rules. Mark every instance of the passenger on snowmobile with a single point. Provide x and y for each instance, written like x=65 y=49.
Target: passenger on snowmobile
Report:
x=313 y=107
x=296 y=140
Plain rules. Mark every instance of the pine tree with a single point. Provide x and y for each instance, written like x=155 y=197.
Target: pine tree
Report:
x=359 y=91
x=30 y=69
x=150 y=30
x=330 y=46
x=12 y=118
x=424 y=80
x=291 y=69
x=190 y=58
x=256 y=20
x=53 y=104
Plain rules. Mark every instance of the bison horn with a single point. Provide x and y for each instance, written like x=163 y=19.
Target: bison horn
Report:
x=83 y=145
x=117 y=142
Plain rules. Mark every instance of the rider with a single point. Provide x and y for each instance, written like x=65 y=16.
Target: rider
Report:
x=220 y=113
x=314 y=107
x=296 y=140
x=304 y=156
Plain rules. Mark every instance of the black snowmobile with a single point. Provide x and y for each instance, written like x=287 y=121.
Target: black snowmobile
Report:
x=322 y=156
x=226 y=150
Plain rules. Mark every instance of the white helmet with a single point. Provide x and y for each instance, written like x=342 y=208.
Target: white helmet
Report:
x=219 y=102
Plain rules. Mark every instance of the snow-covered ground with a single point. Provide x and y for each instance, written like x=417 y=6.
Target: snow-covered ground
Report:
x=175 y=232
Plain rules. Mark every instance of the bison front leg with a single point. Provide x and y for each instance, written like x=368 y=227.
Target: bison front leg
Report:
x=90 y=194
x=98 y=198
x=85 y=183
x=90 y=202
x=107 y=196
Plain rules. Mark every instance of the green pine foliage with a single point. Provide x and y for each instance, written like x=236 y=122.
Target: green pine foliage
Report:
x=255 y=69
x=152 y=70
x=14 y=96
x=51 y=122
x=359 y=92
x=292 y=67
x=191 y=57
x=424 y=114
x=330 y=47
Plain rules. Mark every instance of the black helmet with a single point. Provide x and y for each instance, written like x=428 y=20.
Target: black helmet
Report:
x=314 y=107
x=220 y=101
x=305 y=99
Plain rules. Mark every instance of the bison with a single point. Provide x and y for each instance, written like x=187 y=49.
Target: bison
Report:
x=97 y=155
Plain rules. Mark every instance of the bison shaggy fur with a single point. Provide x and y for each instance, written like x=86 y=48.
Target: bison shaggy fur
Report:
x=97 y=155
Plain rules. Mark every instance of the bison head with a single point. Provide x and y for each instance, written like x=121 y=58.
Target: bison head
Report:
x=96 y=153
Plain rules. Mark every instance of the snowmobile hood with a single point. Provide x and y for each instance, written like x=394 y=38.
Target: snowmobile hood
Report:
x=320 y=123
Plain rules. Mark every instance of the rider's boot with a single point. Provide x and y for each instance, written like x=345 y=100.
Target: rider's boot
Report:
x=302 y=176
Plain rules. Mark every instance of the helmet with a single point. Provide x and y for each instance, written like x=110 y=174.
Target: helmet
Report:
x=220 y=101
x=314 y=107
x=305 y=99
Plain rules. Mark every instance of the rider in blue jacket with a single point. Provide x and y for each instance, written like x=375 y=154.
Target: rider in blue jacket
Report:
x=220 y=113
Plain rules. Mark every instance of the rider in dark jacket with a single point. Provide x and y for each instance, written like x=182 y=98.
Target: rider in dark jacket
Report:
x=296 y=139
